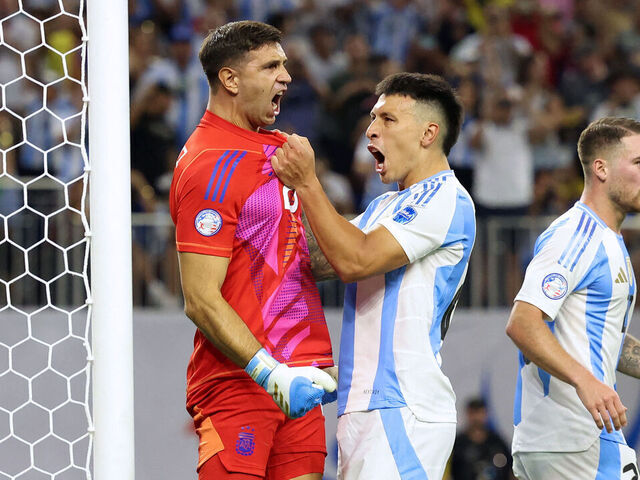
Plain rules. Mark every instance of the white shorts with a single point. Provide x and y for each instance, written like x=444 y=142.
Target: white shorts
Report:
x=392 y=444
x=604 y=460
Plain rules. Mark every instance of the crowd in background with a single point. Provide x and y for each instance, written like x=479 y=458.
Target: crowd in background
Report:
x=530 y=73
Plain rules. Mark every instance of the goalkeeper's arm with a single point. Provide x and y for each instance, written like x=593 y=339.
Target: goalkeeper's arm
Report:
x=296 y=390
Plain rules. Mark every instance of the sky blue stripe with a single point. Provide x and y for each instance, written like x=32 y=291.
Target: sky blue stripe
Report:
x=346 y=346
x=575 y=261
x=616 y=436
x=231 y=170
x=407 y=461
x=546 y=235
x=609 y=461
x=584 y=208
x=576 y=245
x=597 y=306
x=461 y=230
x=431 y=194
x=386 y=388
x=545 y=378
x=517 y=404
x=427 y=188
x=401 y=201
x=223 y=171
x=213 y=174
x=369 y=211
x=573 y=237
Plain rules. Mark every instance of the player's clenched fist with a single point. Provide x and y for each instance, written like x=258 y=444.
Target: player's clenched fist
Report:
x=294 y=162
x=296 y=390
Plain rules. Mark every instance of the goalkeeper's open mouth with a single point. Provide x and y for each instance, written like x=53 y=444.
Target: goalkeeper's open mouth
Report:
x=379 y=156
x=275 y=102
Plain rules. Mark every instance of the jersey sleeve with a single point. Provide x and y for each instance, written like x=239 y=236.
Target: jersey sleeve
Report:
x=421 y=228
x=548 y=281
x=203 y=224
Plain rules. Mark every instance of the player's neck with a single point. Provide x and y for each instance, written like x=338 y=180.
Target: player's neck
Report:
x=430 y=165
x=602 y=205
x=229 y=111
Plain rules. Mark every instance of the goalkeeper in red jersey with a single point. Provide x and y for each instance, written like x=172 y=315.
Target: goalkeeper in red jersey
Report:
x=253 y=382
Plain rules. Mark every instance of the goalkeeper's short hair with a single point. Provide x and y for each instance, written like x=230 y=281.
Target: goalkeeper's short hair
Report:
x=228 y=44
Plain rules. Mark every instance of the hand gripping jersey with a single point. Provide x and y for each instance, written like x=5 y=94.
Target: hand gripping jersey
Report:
x=581 y=278
x=394 y=324
x=226 y=201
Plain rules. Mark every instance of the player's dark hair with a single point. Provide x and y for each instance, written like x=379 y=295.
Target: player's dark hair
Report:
x=435 y=92
x=603 y=134
x=230 y=42
x=476 y=403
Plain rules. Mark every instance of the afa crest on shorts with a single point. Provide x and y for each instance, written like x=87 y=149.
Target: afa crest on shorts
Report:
x=246 y=441
x=555 y=286
x=405 y=215
x=208 y=222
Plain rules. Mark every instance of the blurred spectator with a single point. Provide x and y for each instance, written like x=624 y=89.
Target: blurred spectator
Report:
x=153 y=151
x=336 y=186
x=452 y=25
x=496 y=52
x=397 y=23
x=350 y=97
x=546 y=109
x=462 y=155
x=261 y=10
x=503 y=178
x=323 y=61
x=479 y=453
x=152 y=156
x=164 y=13
x=583 y=82
x=502 y=137
x=182 y=73
x=623 y=99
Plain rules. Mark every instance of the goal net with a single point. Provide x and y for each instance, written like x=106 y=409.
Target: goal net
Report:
x=46 y=355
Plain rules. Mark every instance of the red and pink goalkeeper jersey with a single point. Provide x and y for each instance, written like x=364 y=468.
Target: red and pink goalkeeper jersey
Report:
x=226 y=201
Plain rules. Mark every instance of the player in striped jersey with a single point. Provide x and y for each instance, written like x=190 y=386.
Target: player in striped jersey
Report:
x=405 y=259
x=570 y=320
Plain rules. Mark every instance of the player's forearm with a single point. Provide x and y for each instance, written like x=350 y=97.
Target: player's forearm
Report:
x=629 y=362
x=320 y=266
x=223 y=328
x=341 y=242
x=531 y=335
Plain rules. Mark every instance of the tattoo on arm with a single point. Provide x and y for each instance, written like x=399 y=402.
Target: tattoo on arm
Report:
x=320 y=267
x=629 y=362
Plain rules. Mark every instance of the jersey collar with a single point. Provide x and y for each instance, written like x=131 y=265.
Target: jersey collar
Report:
x=261 y=136
x=593 y=214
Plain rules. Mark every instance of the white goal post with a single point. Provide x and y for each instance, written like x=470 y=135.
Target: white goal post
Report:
x=110 y=189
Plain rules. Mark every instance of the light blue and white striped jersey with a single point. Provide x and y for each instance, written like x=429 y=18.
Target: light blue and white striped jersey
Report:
x=394 y=323
x=581 y=278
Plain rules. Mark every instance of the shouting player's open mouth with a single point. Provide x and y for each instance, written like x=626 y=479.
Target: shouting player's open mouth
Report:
x=379 y=156
x=275 y=102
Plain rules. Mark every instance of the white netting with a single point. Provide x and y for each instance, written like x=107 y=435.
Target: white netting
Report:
x=45 y=421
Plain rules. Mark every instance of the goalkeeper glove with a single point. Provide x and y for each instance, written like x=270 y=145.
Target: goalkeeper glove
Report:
x=296 y=390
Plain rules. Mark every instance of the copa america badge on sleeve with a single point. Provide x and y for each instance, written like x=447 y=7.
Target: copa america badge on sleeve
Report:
x=208 y=222
x=555 y=286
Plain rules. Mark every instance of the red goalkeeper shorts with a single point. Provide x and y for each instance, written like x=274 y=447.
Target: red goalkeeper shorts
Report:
x=240 y=424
